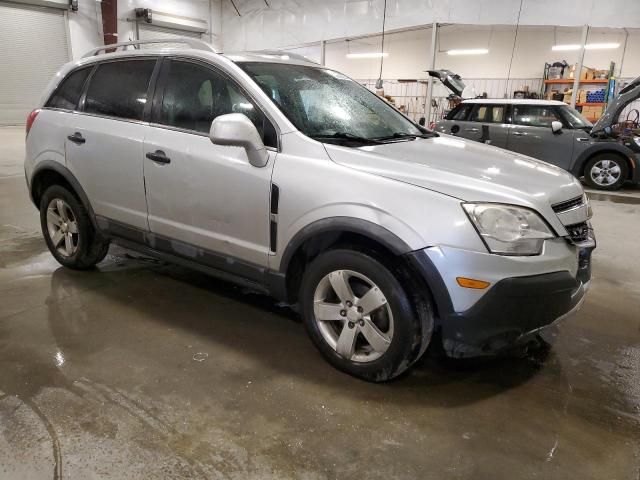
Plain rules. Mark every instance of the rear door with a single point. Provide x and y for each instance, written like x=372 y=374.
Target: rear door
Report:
x=531 y=134
x=491 y=116
x=103 y=144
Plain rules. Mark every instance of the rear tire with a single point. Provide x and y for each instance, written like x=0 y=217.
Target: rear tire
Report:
x=68 y=231
x=368 y=329
x=606 y=171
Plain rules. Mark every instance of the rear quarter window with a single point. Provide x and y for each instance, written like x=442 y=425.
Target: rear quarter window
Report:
x=459 y=113
x=68 y=93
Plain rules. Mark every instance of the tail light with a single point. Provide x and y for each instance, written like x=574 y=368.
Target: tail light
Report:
x=32 y=118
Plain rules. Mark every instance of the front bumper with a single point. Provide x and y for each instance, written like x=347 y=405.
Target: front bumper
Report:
x=512 y=311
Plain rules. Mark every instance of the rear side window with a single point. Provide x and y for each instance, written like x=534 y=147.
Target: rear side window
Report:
x=69 y=91
x=460 y=112
x=488 y=114
x=534 y=115
x=119 y=89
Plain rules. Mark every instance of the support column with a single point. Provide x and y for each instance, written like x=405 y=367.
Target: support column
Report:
x=110 y=21
x=432 y=66
x=578 y=72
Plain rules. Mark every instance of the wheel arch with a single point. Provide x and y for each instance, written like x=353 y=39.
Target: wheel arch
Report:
x=328 y=233
x=611 y=148
x=50 y=173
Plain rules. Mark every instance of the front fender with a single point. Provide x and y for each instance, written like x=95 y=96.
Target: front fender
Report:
x=601 y=147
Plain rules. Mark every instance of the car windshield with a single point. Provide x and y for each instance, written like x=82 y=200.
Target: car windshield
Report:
x=575 y=118
x=329 y=106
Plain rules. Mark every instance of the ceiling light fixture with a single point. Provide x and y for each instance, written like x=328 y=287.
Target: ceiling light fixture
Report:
x=468 y=51
x=588 y=46
x=367 y=55
x=601 y=46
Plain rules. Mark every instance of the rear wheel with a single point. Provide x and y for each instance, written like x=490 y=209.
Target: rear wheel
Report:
x=68 y=231
x=359 y=316
x=606 y=171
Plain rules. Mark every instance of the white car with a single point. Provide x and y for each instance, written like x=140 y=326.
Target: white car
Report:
x=274 y=172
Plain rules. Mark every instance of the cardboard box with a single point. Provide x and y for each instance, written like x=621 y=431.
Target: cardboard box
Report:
x=587 y=73
x=567 y=96
x=582 y=96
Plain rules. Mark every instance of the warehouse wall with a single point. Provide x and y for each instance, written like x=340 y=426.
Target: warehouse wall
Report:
x=288 y=22
x=409 y=52
x=85 y=28
x=209 y=10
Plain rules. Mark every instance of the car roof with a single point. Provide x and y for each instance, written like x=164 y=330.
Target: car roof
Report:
x=516 y=101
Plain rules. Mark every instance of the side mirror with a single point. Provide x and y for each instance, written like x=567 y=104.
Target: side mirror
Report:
x=236 y=130
x=556 y=127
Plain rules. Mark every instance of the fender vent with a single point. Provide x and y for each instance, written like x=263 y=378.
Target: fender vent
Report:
x=273 y=221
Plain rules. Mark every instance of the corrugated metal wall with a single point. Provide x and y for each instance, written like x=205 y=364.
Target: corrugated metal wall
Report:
x=33 y=46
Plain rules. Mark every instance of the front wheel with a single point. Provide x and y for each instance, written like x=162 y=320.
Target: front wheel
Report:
x=606 y=171
x=359 y=316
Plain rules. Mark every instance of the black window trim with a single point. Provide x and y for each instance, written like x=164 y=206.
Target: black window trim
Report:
x=91 y=67
x=159 y=89
x=150 y=88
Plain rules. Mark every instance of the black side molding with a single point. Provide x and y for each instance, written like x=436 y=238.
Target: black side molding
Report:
x=273 y=220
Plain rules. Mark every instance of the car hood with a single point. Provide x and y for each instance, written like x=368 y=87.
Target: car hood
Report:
x=611 y=115
x=467 y=170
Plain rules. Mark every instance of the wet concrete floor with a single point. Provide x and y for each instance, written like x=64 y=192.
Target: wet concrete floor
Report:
x=140 y=369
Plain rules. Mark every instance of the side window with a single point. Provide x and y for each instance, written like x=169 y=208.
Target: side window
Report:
x=69 y=91
x=194 y=95
x=119 y=89
x=488 y=114
x=534 y=115
x=460 y=112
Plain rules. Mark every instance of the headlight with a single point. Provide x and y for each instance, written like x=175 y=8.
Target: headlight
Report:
x=507 y=229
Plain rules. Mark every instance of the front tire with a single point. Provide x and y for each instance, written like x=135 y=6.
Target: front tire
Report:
x=68 y=231
x=360 y=317
x=606 y=171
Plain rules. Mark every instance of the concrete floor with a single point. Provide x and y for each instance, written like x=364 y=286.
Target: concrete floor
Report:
x=145 y=370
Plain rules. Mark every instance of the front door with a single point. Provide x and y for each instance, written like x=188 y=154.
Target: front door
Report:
x=531 y=134
x=206 y=201
x=103 y=146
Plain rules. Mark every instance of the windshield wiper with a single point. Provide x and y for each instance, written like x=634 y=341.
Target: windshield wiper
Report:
x=407 y=135
x=347 y=136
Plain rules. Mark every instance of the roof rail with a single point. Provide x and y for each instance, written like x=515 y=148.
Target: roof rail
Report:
x=284 y=53
x=191 y=42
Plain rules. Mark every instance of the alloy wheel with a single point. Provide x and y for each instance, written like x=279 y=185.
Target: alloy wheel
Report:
x=353 y=315
x=62 y=227
x=605 y=172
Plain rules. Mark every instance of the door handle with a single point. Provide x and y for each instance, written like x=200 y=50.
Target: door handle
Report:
x=158 y=156
x=519 y=134
x=583 y=139
x=77 y=138
x=471 y=130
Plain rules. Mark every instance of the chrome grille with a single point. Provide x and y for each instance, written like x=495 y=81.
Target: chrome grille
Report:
x=568 y=204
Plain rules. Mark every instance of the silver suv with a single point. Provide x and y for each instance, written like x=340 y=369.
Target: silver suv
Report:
x=268 y=170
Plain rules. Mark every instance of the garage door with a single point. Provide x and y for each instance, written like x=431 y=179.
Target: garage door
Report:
x=33 y=46
x=148 y=31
